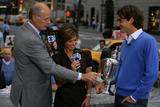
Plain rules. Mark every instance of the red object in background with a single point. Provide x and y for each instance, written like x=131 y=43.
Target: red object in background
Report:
x=12 y=4
x=118 y=34
x=68 y=13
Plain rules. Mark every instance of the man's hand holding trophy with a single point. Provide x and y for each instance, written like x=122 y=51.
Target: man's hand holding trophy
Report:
x=100 y=87
x=108 y=75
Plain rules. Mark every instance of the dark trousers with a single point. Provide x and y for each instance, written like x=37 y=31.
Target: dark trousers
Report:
x=139 y=103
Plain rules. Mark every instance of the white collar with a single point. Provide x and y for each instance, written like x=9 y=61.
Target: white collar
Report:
x=134 y=35
x=6 y=62
x=33 y=27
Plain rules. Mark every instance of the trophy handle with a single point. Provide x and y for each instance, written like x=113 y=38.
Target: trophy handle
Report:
x=111 y=83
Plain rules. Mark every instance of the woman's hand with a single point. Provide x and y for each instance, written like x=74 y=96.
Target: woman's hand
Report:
x=75 y=65
x=86 y=102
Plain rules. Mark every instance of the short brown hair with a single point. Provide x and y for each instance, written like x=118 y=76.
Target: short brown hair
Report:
x=103 y=41
x=66 y=32
x=130 y=11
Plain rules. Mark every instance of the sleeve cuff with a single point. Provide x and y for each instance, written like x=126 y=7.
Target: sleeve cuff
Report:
x=133 y=99
x=88 y=95
x=79 y=76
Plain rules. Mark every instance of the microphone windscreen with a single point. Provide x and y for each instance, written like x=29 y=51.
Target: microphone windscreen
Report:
x=76 y=54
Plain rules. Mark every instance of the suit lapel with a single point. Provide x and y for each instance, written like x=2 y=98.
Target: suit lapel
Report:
x=28 y=26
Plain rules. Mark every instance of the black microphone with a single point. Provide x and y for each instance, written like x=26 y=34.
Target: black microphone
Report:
x=77 y=56
x=51 y=32
x=51 y=38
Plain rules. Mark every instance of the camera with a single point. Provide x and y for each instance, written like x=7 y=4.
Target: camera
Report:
x=52 y=29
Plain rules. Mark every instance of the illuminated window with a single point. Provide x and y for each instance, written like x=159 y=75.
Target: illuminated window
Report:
x=154 y=19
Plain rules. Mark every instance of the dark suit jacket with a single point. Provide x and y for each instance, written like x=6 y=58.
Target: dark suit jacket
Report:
x=2 y=78
x=31 y=84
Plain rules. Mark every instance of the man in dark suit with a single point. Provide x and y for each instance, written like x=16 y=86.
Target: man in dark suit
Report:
x=31 y=86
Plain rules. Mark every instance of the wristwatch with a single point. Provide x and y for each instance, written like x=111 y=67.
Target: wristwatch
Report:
x=88 y=95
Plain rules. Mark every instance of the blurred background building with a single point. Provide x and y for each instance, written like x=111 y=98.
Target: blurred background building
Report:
x=102 y=13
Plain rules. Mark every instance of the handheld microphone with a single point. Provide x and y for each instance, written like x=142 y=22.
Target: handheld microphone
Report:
x=76 y=56
x=51 y=38
x=51 y=32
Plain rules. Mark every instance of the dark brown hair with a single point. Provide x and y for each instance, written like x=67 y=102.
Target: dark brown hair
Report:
x=66 y=32
x=130 y=11
x=102 y=40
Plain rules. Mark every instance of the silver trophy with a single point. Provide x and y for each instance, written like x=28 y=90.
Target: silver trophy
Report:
x=109 y=70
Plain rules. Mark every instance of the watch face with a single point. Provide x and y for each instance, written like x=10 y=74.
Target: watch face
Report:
x=51 y=38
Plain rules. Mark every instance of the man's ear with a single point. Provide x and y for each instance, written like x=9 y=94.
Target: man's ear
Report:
x=131 y=20
x=34 y=17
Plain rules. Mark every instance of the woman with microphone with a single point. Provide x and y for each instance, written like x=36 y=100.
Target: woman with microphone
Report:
x=69 y=94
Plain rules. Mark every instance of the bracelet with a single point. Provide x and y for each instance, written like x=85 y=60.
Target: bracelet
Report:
x=88 y=95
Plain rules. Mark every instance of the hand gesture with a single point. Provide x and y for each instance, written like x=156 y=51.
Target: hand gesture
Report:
x=75 y=65
x=90 y=76
x=86 y=102
x=128 y=99
x=100 y=87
